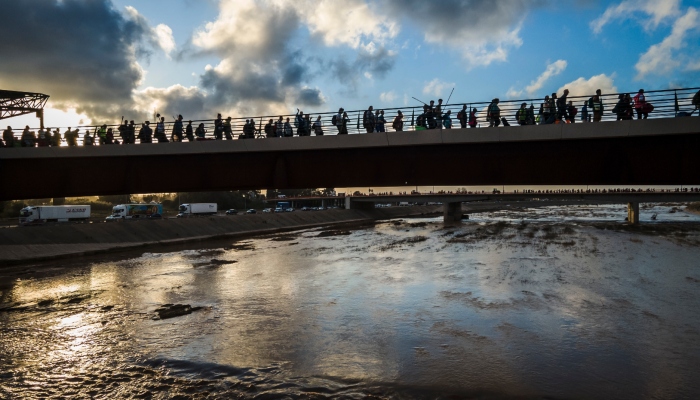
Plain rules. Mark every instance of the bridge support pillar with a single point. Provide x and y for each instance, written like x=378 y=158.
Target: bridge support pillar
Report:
x=633 y=213
x=358 y=205
x=452 y=213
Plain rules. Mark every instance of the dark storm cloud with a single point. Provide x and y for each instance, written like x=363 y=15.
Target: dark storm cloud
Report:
x=79 y=52
x=350 y=74
x=467 y=20
x=310 y=97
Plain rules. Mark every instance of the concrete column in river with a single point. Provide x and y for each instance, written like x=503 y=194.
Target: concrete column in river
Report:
x=633 y=212
x=452 y=213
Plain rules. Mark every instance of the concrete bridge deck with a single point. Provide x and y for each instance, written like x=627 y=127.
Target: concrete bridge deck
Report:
x=646 y=152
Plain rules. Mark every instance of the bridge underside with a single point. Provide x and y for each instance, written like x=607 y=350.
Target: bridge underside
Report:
x=670 y=159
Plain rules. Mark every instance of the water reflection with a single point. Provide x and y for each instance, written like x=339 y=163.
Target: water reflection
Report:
x=400 y=309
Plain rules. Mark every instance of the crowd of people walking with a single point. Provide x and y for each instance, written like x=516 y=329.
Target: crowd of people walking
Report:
x=554 y=109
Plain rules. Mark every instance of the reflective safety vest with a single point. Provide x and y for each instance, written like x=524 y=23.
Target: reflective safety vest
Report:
x=102 y=132
x=522 y=114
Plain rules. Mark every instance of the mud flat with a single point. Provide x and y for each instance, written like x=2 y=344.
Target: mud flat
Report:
x=47 y=242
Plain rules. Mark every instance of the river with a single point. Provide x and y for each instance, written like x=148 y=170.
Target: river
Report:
x=560 y=302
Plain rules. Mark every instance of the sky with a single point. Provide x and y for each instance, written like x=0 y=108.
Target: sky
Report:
x=103 y=59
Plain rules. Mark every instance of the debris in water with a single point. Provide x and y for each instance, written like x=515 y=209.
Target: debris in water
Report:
x=175 y=310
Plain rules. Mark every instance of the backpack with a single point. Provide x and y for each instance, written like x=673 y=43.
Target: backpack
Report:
x=334 y=120
x=462 y=115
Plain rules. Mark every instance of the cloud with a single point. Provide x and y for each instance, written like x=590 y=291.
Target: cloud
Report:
x=351 y=24
x=387 y=97
x=437 y=87
x=587 y=87
x=191 y=102
x=663 y=58
x=656 y=10
x=310 y=97
x=164 y=36
x=82 y=53
x=370 y=61
x=483 y=30
x=552 y=70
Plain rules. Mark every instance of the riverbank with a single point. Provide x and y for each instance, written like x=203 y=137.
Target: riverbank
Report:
x=49 y=242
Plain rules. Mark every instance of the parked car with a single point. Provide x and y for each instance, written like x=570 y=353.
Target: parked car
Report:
x=289 y=210
x=251 y=211
x=306 y=209
x=279 y=210
x=267 y=210
x=231 y=212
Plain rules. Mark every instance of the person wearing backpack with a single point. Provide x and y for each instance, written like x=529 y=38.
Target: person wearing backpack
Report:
x=521 y=114
x=398 y=122
x=595 y=104
x=337 y=118
x=368 y=120
x=493 y=113
x=462 y=117
x=545 y=110
x=270 y=129
x=447 y=120
x=562 y=107
x=472 y=118
x=640 y=105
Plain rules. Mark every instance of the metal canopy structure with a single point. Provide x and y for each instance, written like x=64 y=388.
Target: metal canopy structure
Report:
x=13 y=104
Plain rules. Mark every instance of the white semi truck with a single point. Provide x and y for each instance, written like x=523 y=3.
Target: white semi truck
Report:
x=130 y=211
x=189 y=210
x=41 y=214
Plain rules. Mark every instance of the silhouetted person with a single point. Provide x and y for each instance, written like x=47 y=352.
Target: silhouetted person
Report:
x=160 y=131
x=218 y=128
x=279 y=127
x=288 y=131
x=56 y=138
x=300 y=123
x=201 y=132
x=146 y=133
x=270 y=128
x=571 y=112
x=545 y=110
x=398 y=122
x=343 y=123
x=640 y=105
x=462 y=117
x=337 y=118
x=447 y=119
x=696 y=100
x=318 y=126
x=228 y=132
x=368 y=120
x=102 y=134
x=132 y=132
x=493 y=113
x=595 y=104
x=88 y=140
x=562 y=106
x=176 y=135
x=189 y=132
x=472 y=118
x=109 y=137
x=521 y=114
x=380 y=121
x=9 y=137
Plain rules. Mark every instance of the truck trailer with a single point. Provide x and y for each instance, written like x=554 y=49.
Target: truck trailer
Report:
x=41 y=214
x=130 y=211
x=189 y=210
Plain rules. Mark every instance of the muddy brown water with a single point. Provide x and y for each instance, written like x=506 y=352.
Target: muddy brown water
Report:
x=504 y=306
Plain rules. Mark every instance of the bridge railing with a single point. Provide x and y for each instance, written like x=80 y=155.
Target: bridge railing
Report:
x=667 y=104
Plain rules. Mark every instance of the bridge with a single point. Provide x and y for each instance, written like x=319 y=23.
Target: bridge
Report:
x=639 y=153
